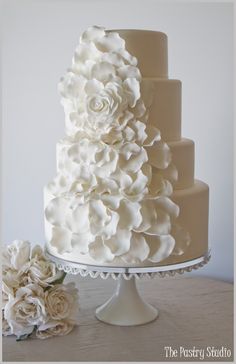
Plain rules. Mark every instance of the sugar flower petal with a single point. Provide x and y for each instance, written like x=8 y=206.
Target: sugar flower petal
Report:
x=139 y=250
x=160 y=247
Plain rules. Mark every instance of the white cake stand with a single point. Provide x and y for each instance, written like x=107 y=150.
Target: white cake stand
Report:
x=126 y=307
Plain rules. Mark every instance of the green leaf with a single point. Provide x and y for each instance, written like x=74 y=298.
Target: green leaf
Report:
x=23 y=337
x=60 y=280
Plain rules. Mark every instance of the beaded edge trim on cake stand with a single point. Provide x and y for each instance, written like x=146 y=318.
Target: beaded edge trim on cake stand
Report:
x=128 y=273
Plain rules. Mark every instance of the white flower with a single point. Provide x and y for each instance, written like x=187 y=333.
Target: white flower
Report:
x=6 y=330
x=16 y=258
x=41 y=270
x=7 y=293
x=12 y=278
x=54 y=328
x=85 y=160
x=26 y=310
x=102 y=108
x=16 y=255
x=61 y=302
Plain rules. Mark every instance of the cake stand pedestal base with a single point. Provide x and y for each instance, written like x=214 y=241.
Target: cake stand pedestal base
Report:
x=126 y=307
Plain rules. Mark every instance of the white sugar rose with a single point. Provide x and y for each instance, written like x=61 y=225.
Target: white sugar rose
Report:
x=26 y=310
x=86 y=160
x=102 y=108
x=62 y=302
x=54 y=328
x=41 y=270
x=16 y=255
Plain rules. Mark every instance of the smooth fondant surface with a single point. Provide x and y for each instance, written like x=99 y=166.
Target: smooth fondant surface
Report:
x=163 y=98
x=150 y=48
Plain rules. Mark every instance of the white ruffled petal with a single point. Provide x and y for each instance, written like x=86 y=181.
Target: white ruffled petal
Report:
x=159 y=155
x=133 y=90
x=139 y=184
x=111 y=42
x=128 y=71
x=103 y=71
x=162 y=226
x=114 y=58
x=135 y=160
x=128 y=134
x=103 y=221
x=111 y=201
x=71 y=85
x=170 y=173
x=93 y=87
x=148 y=213
x=140 y=132
x=85 y=53
x=77 y=220
x=55 y=211
x=139 y=250
x=155 y=221
x=100 y=252
x=128 y=57
x=160 y=247
x=153 y=135
x=130 y=216
x=80 y=242
x=168 y=206
x=61 y=239
x=160 y=186
x=92 y=33
x=120 y=243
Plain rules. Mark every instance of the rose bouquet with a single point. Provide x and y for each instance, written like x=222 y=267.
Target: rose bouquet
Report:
x=35 y=300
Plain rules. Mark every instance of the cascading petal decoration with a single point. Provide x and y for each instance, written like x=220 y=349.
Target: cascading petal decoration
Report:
x=106 y=200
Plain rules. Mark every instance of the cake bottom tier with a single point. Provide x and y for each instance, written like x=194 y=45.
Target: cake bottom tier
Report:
x=193 y=217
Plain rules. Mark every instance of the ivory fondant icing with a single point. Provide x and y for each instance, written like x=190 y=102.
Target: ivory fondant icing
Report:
x=124 y=194
x=150 y=48
x=182 y=152
x=194 y=210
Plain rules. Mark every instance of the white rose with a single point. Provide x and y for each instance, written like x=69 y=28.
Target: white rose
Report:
x=62 y=302
x=6 y=330
x=104 y=103
x=7 y=293
x=16 y=255
x=42 y=271
x=54 y=328
x=101 y=107
x=26 y=310
x=12 y=278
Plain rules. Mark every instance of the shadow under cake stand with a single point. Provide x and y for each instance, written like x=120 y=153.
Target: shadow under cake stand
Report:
x=126 y=307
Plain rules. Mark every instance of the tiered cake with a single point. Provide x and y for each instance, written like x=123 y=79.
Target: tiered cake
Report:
x=125 y=193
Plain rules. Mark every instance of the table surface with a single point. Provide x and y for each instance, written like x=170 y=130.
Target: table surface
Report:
x=193 y=312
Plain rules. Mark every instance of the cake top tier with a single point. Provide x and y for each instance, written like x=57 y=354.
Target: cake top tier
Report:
x=150 y=48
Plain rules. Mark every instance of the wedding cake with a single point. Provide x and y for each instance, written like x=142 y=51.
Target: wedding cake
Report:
x=124 y=193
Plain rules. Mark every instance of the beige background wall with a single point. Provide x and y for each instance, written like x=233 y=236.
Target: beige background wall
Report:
x=39 y=38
